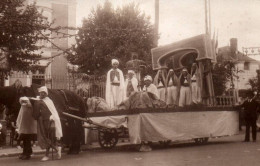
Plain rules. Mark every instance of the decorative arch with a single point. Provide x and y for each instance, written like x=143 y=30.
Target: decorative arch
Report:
x=180 y=57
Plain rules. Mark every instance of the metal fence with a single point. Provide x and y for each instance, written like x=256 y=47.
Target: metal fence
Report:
x=83 y=84
x=89 y=86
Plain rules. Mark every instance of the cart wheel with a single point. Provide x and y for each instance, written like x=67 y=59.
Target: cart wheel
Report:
x=107 y=138
x=201 y=140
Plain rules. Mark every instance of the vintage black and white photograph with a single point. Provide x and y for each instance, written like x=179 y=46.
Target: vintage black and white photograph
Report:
x=129 y=82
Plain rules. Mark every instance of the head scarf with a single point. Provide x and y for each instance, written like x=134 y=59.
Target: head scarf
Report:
x=24 y=99
x=114 y=61
x=184 y=69
x=131 y=71
x=148 y=78
x=43 y=89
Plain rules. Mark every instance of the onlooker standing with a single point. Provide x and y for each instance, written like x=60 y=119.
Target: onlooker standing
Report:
x=251 y=107
x=26 y=127
x=2 y=136
x=14 y=135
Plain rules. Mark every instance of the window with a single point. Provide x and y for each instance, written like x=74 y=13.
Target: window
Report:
x=246 y=66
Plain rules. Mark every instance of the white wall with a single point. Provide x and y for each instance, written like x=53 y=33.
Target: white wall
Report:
x=245 y=75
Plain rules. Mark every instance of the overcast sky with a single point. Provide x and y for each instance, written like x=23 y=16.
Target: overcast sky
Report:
x=180 y=19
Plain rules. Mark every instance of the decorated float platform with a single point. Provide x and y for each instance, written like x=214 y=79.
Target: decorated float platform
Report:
x=198 y=122
x=174 y=124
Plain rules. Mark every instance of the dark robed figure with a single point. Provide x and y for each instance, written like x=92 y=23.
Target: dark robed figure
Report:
x=49 y=125
x=251 y=107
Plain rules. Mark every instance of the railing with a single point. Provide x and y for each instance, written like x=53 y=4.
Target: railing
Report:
x=224 y=101
x=84 y=85
x=94 y=89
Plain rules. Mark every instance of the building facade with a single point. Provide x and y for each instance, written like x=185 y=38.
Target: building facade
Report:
x=245 y=66
x=53 y=71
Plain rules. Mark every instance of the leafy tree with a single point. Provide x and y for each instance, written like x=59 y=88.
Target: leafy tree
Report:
x=23 y=32
x=219 y=76
x=253 y=82
x=110 y=33
x=224 y=72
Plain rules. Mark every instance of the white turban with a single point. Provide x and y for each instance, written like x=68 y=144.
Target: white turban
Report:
x=184 y=69
x=43 y=89
x=171 y=70
x=148 y=78
x=24 y=99
x=131 y=71
x=114 y=61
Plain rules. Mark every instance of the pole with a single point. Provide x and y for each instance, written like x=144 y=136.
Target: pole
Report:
x=85 y=120
x=156 y=22
x=206 y=17
x=209 y=19
x=258 y=80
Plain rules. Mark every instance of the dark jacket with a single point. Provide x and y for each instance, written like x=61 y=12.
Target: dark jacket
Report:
x=41 y=110
x=251 y=108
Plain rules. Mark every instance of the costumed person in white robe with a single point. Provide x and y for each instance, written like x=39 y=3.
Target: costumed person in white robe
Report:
x=172 y=88
x=195 y=84
x=26 y=127
x=160 y=83
x=149 y=86
x=131 y=83
x=49 y=124
x=185 y=88
x=115 y=85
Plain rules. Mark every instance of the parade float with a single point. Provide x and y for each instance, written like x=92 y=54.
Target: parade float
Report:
x=143 y=118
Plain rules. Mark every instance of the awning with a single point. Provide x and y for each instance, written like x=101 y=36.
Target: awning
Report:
x=196 y=48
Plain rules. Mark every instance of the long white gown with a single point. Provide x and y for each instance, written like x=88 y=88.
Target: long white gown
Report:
x=115 y=94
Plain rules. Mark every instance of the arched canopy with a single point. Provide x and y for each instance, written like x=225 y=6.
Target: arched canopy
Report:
x=180 y=58
x=182 y=52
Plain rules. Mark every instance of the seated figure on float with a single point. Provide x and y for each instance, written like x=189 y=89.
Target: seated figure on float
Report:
x=131 y=83
x=149 y=86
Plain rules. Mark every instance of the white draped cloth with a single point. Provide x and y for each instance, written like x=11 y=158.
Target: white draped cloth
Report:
x=25 y=122
x=172 y=82
x=152 y=89
x=195 y=90
x=115 y=94
x=160 y=86
x=55 y=116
